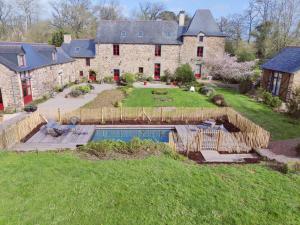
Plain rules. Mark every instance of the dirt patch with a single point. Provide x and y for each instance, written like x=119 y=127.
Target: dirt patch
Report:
x=106 y=99
x=286 y=147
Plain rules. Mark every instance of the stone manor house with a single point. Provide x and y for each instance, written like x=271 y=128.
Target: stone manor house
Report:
x=29 y=70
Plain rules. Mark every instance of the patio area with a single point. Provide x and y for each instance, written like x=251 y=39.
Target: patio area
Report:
x=41 y=141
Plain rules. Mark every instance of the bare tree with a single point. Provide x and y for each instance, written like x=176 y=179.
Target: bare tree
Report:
x=150 y=10
x=5 y=13
x=250 y=16
x=72 y=15
x=29 y=11
x=108 y=10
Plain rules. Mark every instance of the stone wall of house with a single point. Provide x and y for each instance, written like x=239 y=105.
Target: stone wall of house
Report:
x=134 y=56
x=10 y=85
x=214 y=47
x=296 y=82
x=43 y=80
x=80 y=65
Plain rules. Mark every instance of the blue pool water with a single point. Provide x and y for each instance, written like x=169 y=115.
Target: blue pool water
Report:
x=158 y=135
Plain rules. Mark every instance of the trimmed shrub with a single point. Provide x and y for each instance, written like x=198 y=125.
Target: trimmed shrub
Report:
x=129 y=78
x=294 y=104
x=270 y=100
x=108 y=80
x=58 y=89
x=159 y=92
x=84 y=89
x=75 y=93
x=184 y=74
x=149 y=79
x=207 y=91
x=219 y=100
x=118 y=104
x=30 y=108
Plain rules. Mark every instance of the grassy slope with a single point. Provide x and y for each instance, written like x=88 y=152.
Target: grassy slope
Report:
x=50 y=188
x=280 y=126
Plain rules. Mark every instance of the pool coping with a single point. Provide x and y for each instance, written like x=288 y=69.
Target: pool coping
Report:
x=135 y=127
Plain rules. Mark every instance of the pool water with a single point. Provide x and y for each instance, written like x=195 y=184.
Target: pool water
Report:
x=158 y=135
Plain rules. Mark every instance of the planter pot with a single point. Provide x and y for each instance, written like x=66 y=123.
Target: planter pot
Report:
x=145 y=83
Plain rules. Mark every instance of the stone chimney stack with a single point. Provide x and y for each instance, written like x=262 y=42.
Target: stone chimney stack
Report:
x=67 y=38
x=181 y=18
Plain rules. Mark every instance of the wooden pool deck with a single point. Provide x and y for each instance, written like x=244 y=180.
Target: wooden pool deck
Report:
x=45 y=142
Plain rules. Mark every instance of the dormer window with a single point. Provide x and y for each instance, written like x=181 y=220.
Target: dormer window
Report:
x=21 y=60
x=123 y=34
x=140 y=34
x=54 y=56
x=77 y=49
x=201 y=38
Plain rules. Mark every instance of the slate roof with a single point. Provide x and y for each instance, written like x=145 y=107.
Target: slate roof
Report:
x=36 y=55
x=203 y=21
x=80 y=48
x=137 y=32
x=288 y=60
x=156 y=32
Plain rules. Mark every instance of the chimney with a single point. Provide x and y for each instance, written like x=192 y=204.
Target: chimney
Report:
x=67 y=38
x=181 y=18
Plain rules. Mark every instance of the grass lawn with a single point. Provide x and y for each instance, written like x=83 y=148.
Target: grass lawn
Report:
x=175 y=97
x=280 y=126
x=52 y=188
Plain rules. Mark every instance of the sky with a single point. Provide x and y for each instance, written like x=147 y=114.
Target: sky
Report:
x=218 y=7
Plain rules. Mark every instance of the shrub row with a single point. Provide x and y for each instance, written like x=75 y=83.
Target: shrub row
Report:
x=136 y=146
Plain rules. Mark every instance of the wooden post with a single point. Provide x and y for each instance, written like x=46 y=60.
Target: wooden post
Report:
x=80 y=115
x=59 y=115
x=143 y=114
x=182 y=114
x=19 y=132
x=121 y=114
x=161 y=114
x=219 y=140
x=102 y=118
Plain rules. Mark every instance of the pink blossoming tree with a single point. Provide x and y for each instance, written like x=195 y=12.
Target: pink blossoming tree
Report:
x=229 y=69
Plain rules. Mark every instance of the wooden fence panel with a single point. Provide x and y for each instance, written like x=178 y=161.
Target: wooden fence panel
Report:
x=250 y=133
x=14 y=133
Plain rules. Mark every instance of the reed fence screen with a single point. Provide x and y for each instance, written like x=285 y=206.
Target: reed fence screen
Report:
x=11 y=134
x=250 y=134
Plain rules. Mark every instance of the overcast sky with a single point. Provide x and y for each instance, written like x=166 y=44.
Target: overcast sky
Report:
x=218 y=7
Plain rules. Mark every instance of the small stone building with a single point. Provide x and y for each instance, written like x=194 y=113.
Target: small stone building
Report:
x=29 y=71
x=281 y=74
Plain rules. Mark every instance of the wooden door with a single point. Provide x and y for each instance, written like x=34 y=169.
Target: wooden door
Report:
x=1 y=101
x=26 y=89
x=116 y=75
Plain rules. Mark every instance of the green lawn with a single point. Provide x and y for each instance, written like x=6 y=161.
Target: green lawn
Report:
x=280 y=126
x=52 y=188
x=175 y=97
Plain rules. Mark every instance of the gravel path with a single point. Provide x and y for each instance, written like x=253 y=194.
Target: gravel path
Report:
x=49 y=108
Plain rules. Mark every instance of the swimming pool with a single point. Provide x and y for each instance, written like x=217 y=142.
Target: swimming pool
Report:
x=158 y=135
